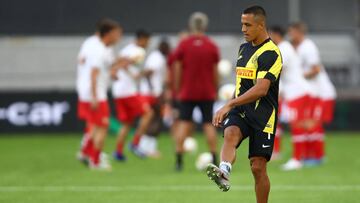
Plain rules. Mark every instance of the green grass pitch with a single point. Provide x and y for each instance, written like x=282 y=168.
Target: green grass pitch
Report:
x=40 y=168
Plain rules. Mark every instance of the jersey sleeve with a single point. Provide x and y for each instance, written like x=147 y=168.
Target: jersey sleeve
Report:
x=179 y=52
x=269 y=65
x=312 y=55
x=97 y=61
x=153 y=62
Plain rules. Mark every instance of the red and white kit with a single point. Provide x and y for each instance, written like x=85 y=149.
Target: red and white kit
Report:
x=322 y=103
x=296 y=92
x=152 y=87
x=124 y=89
x=93 y=54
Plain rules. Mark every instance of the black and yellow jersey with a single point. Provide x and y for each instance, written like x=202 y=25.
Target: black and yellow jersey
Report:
x=254 y=62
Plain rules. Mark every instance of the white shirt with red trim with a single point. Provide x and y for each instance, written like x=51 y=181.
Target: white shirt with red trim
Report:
x=153 y=85
x=93 y=54
x=126 y=85
x=292 y=80
x=309 y=55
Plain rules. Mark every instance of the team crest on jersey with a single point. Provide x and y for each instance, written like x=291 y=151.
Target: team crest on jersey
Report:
x=247 y=73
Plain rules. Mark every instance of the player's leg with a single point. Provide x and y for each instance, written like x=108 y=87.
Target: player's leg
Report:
x=260 y=151
x=120 y=142
x=176 y=114
x=262 y=182
x=206 y=109
x=232 y=138
x=297 y=121
x=123 y=115
x=183 y=130
x=147 y=114
x=100 y=122
x=148 y=142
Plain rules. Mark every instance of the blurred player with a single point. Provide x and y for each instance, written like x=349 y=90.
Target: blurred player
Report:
x=196 y=82
x=323 y=102
x=253 y=111
x=171 y=110
x=127 y=100
x=152 y=93
x=94 y=59
x=295 y=91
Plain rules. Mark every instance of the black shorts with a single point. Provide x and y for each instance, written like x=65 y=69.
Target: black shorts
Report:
x=260 y=143
x=187 y=107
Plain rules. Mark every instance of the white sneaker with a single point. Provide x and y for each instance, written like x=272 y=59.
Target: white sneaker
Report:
x=103 y=165
x=292 y=164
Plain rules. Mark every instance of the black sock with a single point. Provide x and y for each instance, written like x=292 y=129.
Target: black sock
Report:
x=215 y=161
x=179 y=158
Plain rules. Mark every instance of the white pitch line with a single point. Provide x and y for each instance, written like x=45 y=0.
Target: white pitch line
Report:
x=184 y=188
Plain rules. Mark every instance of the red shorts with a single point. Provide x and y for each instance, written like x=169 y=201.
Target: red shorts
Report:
x=148 y=100
x=327 y=111
x=83 y=110
x=129 y=108
x=299 y=109
x=100 y=115
x=315 y=106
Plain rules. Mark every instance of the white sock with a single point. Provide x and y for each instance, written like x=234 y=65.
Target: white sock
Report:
x=225 y=167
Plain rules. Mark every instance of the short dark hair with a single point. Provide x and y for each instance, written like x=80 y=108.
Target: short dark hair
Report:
x=256 y=11
x=300 y=26
x=164 y=46
x=106 y=25
x=142 y=33
x=278 y=30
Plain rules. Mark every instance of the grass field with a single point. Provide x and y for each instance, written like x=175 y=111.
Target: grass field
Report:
x=40 y=168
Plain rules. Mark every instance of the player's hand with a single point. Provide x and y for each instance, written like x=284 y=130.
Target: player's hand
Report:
x=220 y=115
x=94 y=104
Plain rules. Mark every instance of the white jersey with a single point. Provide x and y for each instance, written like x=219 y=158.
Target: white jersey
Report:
x=93 y=54
x=126 y=85
x=292 y=80
x=153 y=85
x=309 y=55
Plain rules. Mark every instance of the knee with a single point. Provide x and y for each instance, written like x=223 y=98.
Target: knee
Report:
x=258 y=166
x=232 y=135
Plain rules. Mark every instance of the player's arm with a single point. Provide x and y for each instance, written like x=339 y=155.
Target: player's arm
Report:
x=259 y=90
x=120 y=63
x=94 y=77
x=177 y=74
x=312 y=56
x=315 y=69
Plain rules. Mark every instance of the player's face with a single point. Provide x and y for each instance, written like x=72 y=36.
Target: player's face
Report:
x=144 y=42
x=275 y=37
x=115 y=35
x=250 y=27
x=294 y=35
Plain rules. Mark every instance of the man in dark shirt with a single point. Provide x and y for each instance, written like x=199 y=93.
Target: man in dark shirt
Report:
x=196 y=81
x=253 y=111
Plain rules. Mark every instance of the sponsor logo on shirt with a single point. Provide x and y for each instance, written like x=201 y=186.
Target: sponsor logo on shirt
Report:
x=247 y=73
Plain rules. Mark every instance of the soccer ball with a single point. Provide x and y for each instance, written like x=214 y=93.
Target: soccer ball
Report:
x=190 y=144
x=224 y=68
x=139 y=55
x=226 y=92
x=203 y=160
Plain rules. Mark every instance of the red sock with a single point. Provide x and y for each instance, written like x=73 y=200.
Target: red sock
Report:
x=319 y=144
x=95 y=156
x=120 y=147
x=298 y=140
x=88 y=147
x=136 y=140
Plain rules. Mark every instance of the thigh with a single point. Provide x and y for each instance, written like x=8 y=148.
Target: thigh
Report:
x=206 y=108
x=234 y=119
x=186 y=110
x=261 y=144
